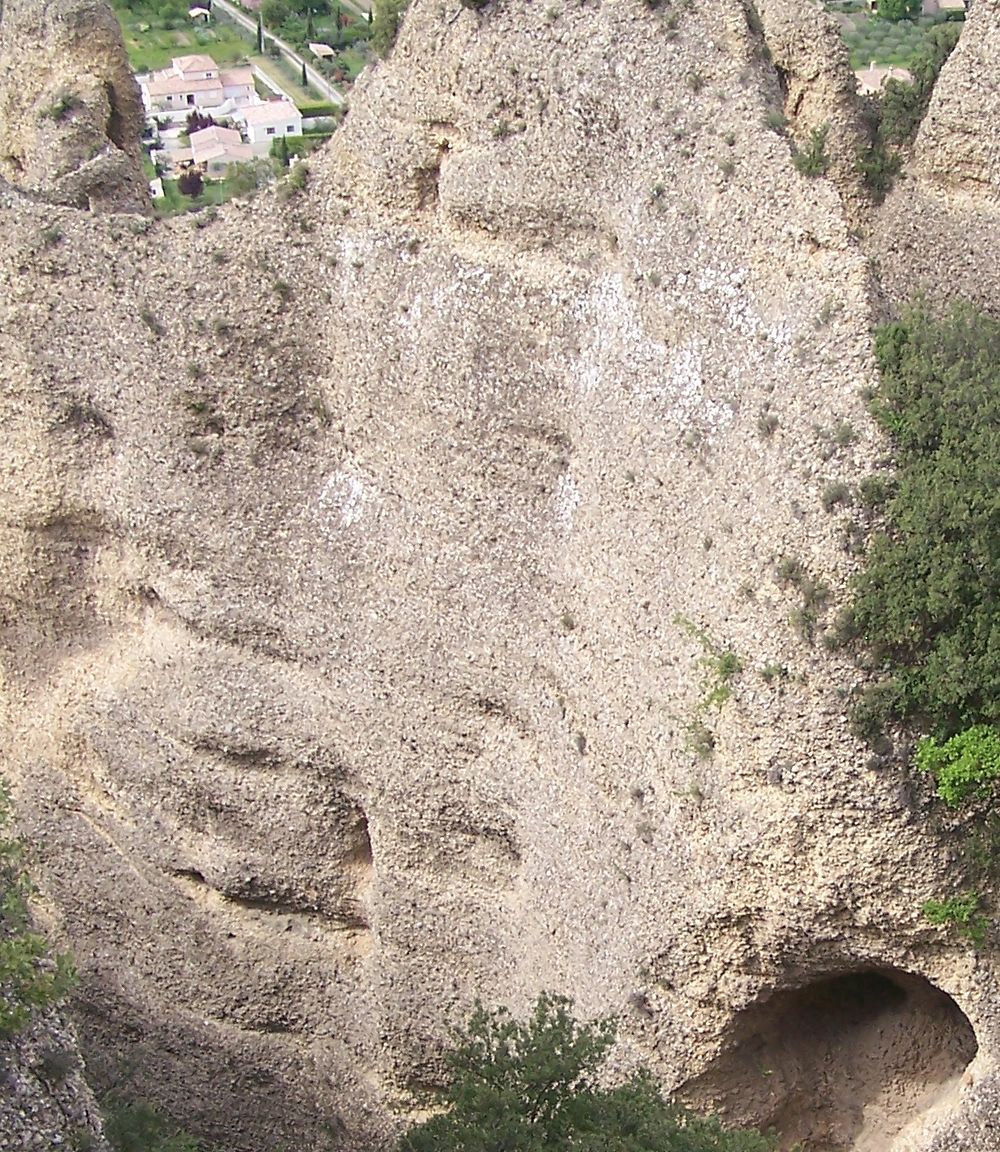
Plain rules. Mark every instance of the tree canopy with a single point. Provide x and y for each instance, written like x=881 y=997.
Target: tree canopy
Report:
x=927 y=603
x=536 y=1085
x=896 y=10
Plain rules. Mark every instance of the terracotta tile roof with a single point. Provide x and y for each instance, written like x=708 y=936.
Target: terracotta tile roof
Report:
x=233 y=77
x=178 y=86
x=215 y=133
x=872 y=78
x=271 y=112
x=237 y=153
x=184 y=64
x=215 y=143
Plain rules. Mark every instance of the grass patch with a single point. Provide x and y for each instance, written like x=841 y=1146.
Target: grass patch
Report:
x=174 y=202
x=154 y=35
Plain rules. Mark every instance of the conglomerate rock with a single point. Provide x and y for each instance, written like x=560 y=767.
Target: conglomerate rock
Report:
x=70 y=110
x=45 y=1101
x=369 y=557
x=938 y=232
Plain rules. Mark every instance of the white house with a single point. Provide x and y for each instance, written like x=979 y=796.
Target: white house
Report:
x=199 y=67
x=238 y=86
x=197 y=82
x=214 y=149
x=266 y=122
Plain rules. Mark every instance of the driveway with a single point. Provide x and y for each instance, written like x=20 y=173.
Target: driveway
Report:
x=320 y=83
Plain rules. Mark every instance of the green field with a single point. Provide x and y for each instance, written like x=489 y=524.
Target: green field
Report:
x=174 y=201
x=154 y=35
x=289 y=78
x=351 y=61
x=890 y=45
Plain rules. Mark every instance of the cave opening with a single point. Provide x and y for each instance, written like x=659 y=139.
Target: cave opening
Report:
x=841 y=1064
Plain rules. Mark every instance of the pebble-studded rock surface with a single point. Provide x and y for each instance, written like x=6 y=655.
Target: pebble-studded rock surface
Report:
x=370 y=553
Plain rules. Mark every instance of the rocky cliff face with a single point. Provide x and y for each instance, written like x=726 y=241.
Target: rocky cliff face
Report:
x=370 y=562
x=46 y=1102
x=70 y=110
x=937 y=232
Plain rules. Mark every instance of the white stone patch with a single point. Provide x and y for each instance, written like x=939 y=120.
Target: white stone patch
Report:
x=685 y=386
x=343 y=494
x=565 y=502
x=353 y=250
x=727 y=288
x=672 y=380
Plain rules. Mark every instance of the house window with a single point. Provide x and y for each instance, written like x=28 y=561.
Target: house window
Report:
x=270 y=131
x=190 y=99
x=290 y=128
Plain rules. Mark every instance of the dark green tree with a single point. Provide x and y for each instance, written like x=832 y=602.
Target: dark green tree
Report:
x=535 y=1086
x=279 y=150
x=275 y=13
x=305 y=81
x=260 y=35
x=896 y=10
x=190 y=183
x=927 y=603
x=385 y=24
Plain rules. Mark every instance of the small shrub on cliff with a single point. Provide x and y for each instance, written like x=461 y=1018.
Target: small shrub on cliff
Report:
x=965 y=767
x=835 y=494
x=720 y=666
x=31 y=978
x=962 y=913
x=64 y=104
x=295 y=182
x=813 y=160
x=878 y=166
x=135 y=1126
x=537 y=1085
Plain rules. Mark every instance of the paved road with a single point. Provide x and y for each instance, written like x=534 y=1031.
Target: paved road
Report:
x=322 y=85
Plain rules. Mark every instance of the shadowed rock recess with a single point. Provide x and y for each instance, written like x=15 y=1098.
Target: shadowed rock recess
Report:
x=368 y=558
x=844 y=1062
